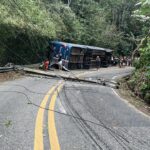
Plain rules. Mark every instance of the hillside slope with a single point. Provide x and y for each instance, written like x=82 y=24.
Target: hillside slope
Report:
x=28 y=25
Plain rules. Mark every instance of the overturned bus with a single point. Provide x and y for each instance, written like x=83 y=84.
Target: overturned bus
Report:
x=75 y=56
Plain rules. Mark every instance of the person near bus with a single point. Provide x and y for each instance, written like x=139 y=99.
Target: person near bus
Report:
x=46 y=64
x=60 y=63
x=98 y=62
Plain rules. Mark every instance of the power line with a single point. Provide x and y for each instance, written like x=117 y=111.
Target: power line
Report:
x=15 y=5
x=64 y=114
x=119 y=138
x=15 y=53
x=26 y=17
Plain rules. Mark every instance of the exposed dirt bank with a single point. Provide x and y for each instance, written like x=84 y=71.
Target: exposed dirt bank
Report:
x=9 y=76
x=128 y=95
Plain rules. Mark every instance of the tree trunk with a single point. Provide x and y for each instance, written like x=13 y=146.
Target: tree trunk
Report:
x=138 y=47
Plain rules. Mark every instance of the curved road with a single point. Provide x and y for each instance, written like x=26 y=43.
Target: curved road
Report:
x=86 y=117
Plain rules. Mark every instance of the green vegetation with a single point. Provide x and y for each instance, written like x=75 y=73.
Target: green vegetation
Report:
x=27 y=25
x=140 y=80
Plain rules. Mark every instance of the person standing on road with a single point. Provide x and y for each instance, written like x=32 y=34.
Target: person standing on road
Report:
x=120 y=62
x=129 y=61
x=98 y=62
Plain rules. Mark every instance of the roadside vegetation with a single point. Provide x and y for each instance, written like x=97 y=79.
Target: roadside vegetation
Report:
x=139 y=82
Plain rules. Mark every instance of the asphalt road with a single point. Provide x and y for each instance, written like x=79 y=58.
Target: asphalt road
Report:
x=17 y=115
x=86 y=117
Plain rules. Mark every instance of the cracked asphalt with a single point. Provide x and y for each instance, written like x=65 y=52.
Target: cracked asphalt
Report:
x=87 y=117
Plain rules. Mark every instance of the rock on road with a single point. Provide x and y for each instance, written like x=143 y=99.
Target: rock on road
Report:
x=87 y=117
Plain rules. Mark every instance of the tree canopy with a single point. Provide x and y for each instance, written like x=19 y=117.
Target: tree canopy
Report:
x=27 y=25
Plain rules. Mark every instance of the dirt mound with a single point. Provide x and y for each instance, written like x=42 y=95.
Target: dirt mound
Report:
x=9 y=76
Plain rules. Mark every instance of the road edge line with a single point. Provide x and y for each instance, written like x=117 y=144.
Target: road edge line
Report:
x=128 y=103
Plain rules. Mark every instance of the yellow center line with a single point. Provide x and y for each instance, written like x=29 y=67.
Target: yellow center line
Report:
x=54 y=142
x=53 y=138
x=38 y=137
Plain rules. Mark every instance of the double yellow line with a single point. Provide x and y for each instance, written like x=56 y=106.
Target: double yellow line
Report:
x=53 y=138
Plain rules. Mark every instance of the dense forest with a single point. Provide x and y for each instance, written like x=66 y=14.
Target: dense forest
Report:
x=26 y=26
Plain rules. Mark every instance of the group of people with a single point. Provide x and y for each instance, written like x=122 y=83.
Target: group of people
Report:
x=124 y=61
x=121 y=61
x=56 y=61
x=46 y=64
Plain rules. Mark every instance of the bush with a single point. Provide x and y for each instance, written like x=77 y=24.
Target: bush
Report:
x=136 y=63
x=147 y=97
x=131 y=84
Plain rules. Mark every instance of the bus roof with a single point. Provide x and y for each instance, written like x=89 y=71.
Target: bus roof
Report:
x=70 y=45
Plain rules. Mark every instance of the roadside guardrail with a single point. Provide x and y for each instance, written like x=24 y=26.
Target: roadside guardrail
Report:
x=6 y=69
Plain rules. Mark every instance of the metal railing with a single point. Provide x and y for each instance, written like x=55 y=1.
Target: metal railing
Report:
x=6 y=69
